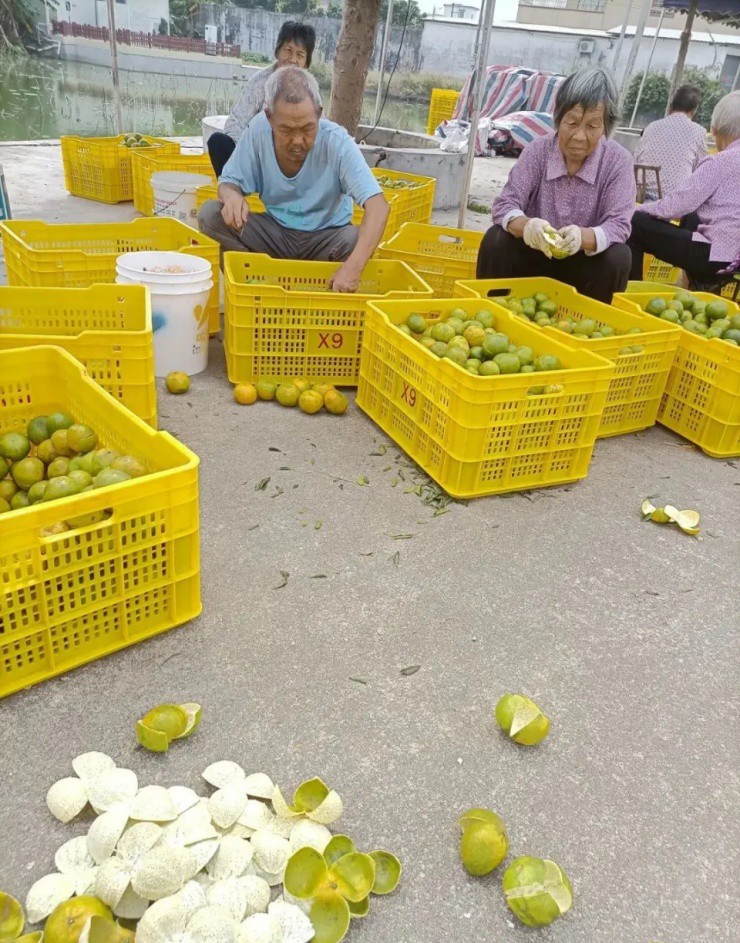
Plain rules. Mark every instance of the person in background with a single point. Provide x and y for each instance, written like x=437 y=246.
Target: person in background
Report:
x=295 y=45
x=675 y=143
x=712 y=192
x=577 y=182
x=307 y=171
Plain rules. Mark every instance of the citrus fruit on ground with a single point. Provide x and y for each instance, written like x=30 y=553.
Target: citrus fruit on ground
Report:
x=266 y=389
x=27 y=472
x=521 y=718
x=81 y=438
x=416 y=323
x=4 y=506
x=126 y=463
x=537 y=891
x=14 y=446
x=336 y=403
x=302 y=384
x=322 y=388
x=245 y=394
x=7 y=488
x=19 y=501
x=109 y=476
x=60 y=442
x=67 y=921
x=60 y=466
x=177 y=382
x=287 y=394
x=58 y=421
x=36 y=492
x=45 y=451
x=37 y=430
x=310 y=401
x=483 y=845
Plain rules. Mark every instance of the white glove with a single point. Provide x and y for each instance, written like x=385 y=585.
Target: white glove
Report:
x=534 y=236
x=571 y=239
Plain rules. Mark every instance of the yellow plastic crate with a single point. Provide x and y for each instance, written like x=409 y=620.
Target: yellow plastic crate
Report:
x=653 y=270
x=639 y=378
x=144 y=164
x=442 y=104
x=702 y=396
x=108 y=328
x=100 y=168
x=412 y=205
x=440 y=255
x=74 y=597
x=481 y=435
x=203 y=194
x=81 y=254
x=282 y=319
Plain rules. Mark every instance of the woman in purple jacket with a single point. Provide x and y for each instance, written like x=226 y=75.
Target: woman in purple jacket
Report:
x=577 y=182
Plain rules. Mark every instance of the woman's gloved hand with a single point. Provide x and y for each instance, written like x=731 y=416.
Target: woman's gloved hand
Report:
x=534 y=236
x=572 y=239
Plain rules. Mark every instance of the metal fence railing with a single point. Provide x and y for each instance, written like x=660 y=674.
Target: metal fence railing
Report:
x=127 y=37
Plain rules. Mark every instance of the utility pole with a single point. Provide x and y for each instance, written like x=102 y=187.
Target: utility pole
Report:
x=383 y=53
x=635 y=47
x=485 y=25
x=620 y=41
x=683 y=49
x=117 y=116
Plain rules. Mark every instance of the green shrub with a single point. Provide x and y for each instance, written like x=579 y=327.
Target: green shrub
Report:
x=655 y=96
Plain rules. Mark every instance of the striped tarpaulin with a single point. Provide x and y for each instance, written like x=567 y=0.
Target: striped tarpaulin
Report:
x=519 y=128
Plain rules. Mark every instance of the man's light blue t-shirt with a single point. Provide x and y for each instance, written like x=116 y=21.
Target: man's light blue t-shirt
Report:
x=321 y=194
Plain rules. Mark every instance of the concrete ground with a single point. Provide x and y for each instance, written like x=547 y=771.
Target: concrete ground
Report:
x=623 y=631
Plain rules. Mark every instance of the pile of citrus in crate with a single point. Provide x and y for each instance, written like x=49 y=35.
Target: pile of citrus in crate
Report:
x=57 y=458
x=709 y=318
x=471 y=342
x=391 y=183
x=543 y=311
x=310 y=398
x=135 y=140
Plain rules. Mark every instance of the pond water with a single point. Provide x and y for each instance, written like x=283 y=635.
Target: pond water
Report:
x=45 y=98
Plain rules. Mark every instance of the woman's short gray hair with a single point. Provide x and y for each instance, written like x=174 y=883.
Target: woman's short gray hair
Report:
x=292 y=85
x=589 y=89
x=726 y=116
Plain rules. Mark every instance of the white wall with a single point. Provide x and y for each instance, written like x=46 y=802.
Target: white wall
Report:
x=139 y=15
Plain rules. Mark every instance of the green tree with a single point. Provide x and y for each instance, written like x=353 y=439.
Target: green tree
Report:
x=17 y=21
x=416 y=17
x=654 y=99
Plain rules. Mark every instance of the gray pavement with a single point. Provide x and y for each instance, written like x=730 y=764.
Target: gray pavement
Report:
x=623 y=631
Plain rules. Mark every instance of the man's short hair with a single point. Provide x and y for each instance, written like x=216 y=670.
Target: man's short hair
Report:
x=687 y=99
x=292 y=85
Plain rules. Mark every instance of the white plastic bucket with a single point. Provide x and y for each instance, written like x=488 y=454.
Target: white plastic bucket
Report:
x=179 y=299
x=174 y=194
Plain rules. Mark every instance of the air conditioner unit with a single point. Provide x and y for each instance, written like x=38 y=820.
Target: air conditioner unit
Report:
x=586 y=47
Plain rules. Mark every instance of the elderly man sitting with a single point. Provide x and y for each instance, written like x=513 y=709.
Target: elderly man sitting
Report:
x=307 y=171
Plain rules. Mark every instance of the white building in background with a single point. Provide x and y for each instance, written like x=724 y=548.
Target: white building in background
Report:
x=460 y=11
x=141 y=16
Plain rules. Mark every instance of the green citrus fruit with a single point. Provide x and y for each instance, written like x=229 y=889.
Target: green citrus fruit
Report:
x=81 y=438
x=525 y=355
x=489 y=369
x=177 y=382
x=82 y=463
x=80 y=478
x=521 y=718
x=547 y=362
x=456 y=355
x=310 y=402
x=14 y=446
x=416 y=323
x=483 y=845
x=443 y=332
x=656 y=306
x=61 y=487
x=60 y=442
x=67 y=921
x=27 y=472
x=58 y=421
x=716 y=310
x=108 y=477
x=4 y=506
x=460 y=342
x=485 y=317
x=427 y=341
x=100 y=460
x=37 y=430
x=45 y=451
x=335 y=402
x=439 y=349
x=36 y=492
x=457 y=324
x=7 y=488
x=302 y=384
x=60 y=466
x=537 y=891
x=19 y=501
x=474 y=334
x=127 y=463
x=287 y=394
x=266 y=389
x=478 y=353
x=507 y=363
x=495 y=344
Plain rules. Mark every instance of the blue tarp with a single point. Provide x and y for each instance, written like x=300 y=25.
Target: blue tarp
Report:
x=728 y=11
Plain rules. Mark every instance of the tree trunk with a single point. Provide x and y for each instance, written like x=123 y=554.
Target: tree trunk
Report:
x=354 y=51
x=683 y=49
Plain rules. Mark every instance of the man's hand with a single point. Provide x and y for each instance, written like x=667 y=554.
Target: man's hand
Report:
x=534 y=236
x=235 y=210
x=346 y=278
